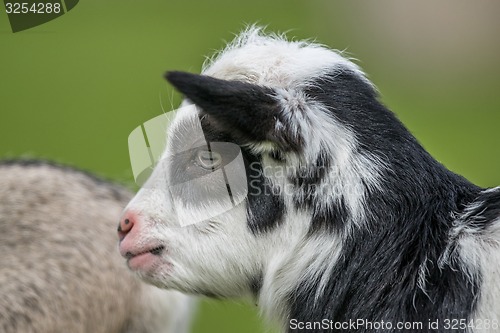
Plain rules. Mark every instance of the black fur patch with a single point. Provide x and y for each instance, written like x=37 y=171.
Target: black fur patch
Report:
x=407 y=226
x=354 y=103
x=310 y=188
x=265 y=207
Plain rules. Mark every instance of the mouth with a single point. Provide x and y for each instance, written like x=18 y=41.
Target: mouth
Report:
x=145 y=260
x=155 y=251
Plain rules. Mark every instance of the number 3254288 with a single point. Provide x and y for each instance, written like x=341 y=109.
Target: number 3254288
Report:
x=35 y=8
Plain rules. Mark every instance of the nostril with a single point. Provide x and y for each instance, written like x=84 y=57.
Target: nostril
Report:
x=126 y=224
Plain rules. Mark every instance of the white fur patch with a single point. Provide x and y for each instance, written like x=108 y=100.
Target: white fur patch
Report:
x=271 y=60
x=478 y=255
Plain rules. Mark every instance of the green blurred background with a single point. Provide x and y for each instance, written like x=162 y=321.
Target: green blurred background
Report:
x=71 y=90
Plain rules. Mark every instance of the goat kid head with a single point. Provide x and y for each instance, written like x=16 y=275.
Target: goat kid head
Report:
x=314 y=142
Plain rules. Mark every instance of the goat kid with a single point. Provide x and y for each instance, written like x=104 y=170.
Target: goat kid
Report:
x=346 y=217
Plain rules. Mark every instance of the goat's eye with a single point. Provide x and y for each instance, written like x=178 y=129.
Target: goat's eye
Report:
x=277 y=155
x=208 y=160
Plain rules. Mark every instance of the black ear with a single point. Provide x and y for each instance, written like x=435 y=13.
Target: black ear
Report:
x=249 y=109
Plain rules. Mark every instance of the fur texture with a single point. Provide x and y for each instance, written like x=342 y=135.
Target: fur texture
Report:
x=347 y=216
x=59 y=268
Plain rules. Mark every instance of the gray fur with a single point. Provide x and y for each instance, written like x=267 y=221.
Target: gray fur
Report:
x=60 y=270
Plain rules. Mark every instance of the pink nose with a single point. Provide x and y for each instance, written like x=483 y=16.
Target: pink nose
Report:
x=126 y=224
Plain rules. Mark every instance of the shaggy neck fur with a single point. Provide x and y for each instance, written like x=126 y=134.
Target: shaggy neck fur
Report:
x=389 y=261
x=397 y=267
